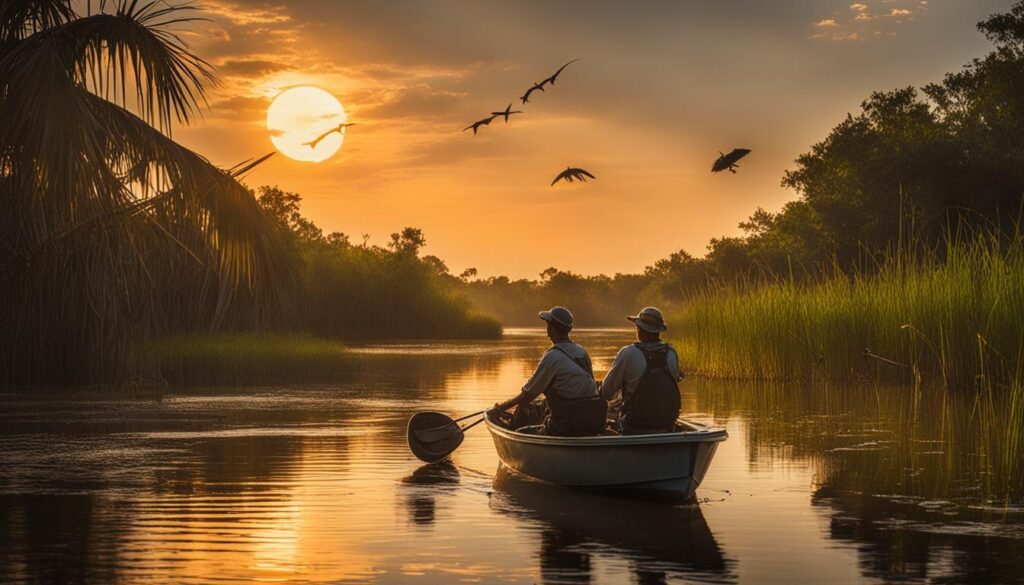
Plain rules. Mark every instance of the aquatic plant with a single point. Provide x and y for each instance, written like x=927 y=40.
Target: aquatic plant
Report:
x=941 y=328
x=952 y=316
x=246 y=358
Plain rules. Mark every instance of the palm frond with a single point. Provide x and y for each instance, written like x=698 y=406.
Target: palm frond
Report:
x=109 y=230
x=20 y=18
x=134 y=46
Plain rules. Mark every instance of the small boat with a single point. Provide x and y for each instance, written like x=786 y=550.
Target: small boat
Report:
x=672 y=463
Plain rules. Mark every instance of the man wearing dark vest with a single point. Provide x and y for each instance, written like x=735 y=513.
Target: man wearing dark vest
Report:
x=645 y=376
x=565 y=377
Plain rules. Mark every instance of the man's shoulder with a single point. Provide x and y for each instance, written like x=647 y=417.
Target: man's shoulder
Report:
x=573 y=349
x=630 y=351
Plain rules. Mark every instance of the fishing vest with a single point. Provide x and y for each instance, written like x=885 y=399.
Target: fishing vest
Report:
x=654 y=405
x=575 y=417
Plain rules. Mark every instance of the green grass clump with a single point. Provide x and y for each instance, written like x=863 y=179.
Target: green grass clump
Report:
x=197 y=359
x=954 y=317
x=947 y=324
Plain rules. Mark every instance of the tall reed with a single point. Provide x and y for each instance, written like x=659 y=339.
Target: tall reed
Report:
x=952 y=317
x=946 y=323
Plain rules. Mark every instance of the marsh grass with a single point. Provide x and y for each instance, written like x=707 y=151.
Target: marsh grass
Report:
x=952 y=318
x=247 y=359
x=943 y=329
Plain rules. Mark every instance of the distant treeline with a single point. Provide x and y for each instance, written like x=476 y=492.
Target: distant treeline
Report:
x=911 y=166
x=343 y=290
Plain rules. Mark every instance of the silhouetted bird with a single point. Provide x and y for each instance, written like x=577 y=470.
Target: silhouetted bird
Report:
x=551 y=79
x=338 y=128
x=506 y=113
x=571 y=174
x=526 y=96
x=476 y=125
x=728 y=161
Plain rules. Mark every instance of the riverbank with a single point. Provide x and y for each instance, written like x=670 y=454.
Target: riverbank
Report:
x=246 y=358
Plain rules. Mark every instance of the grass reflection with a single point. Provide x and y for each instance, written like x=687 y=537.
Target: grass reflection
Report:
x=876 y=439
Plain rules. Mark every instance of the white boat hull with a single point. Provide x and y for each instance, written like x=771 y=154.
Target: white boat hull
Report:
x=669 y=462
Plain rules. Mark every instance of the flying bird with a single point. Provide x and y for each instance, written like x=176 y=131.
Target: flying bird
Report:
x=338 y=128
x=551 y=79
x=728 y=161
x=506 y=113
x=526 y=96
x=476 y=125
x=571 y=174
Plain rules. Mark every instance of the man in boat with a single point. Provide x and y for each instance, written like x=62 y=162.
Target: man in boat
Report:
x=565 y=377
x=645 y=379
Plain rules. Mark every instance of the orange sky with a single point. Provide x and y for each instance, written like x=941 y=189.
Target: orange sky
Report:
x=661 y=88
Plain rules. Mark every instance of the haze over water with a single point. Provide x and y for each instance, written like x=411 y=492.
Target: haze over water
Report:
x=315 y=484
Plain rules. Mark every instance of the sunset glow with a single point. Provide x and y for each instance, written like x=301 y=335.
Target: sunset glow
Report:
x=646 y=115
x=299 y=116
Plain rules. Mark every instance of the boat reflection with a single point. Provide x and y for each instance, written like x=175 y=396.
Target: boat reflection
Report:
x=577 y=527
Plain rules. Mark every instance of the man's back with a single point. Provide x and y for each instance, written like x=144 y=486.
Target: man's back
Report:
x=563 y=372
x=646 y=374
x=629 y=366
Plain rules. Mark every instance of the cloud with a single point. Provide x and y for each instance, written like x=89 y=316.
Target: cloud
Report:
x=240 y=14
x=253 y=67
x=239 y=108
x=417 y=101
x=869 y=18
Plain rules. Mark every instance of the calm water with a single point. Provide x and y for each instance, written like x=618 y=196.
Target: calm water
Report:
x=315 y=484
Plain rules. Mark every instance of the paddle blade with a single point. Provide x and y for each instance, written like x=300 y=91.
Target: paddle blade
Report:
x=433 y=436
x=438 y=434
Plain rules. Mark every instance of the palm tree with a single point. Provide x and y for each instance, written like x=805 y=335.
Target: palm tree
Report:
x=109 y=230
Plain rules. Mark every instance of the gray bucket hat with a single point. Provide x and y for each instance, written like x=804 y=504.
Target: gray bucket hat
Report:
x=559 y=315
x=649 y=319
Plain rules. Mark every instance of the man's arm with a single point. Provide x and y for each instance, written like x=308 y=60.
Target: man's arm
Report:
x=673 y=364
x=612 y=382
x=537 y=383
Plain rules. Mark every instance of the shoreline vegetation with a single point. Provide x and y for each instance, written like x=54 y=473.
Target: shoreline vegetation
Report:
x=953 y=317
x=935 y=339
x=246 y=358
x=358 y=292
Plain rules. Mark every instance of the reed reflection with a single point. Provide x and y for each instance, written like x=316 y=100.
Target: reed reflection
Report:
x=61 y=538
x=917 y=539
x=575 y=526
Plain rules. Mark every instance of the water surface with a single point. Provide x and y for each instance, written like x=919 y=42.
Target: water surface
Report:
x=315 y=484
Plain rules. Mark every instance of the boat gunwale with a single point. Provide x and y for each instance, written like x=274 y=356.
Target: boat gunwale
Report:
x=705 y=434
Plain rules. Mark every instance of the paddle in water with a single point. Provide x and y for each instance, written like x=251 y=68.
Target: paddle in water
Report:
x=433 y=435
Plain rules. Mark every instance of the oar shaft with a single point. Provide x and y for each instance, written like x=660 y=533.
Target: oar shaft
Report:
x=470 y=415
x=471 y=425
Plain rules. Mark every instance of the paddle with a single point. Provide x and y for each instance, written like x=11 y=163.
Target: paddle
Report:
x=442 y=432
x=433 y=436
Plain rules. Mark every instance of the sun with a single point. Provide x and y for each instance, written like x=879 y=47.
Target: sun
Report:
x=300 y=115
